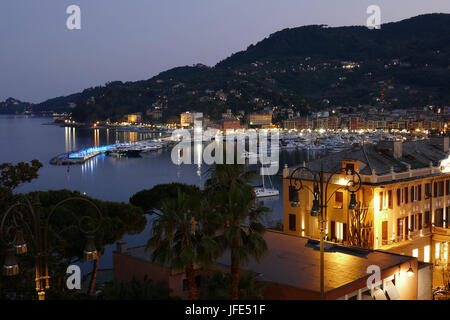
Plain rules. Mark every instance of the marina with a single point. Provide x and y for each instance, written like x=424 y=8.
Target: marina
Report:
x=125 y=149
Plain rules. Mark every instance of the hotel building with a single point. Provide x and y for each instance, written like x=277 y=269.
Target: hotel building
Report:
x=403 y=202
x=260 y=120
x=187 y=119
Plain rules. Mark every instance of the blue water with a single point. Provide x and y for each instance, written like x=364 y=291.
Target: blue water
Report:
x=24 y=138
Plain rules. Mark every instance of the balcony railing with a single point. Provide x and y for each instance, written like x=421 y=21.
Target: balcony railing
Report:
x=413 y=235
x=441 y=231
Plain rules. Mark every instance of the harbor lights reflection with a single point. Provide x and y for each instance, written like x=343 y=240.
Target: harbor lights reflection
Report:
x=87 y=168
x=198 y=151
x=70 y=139
x=96 y=137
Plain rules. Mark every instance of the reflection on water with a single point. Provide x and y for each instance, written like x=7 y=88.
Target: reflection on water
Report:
x=109 y=178
x=198 y=159
x=96 y=137
x=88 y=167
x=70 y=137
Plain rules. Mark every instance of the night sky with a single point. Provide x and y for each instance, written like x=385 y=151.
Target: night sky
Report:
x=136 y=39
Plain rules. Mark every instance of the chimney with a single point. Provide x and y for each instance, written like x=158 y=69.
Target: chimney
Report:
x=121 y=246
x=440 y=142
x=392 y=148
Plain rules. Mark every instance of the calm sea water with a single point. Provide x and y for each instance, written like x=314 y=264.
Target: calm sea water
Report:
x=24 y=138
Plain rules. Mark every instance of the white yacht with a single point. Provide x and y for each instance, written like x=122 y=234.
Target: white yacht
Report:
x=264 y=191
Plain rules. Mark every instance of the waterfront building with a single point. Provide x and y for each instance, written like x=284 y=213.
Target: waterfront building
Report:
x=187 y=119
x=298 y=124
x=333 y=123
x=229 y=125
x=355 y=124
x=260 y=120
x=134 y=118
x=404 y=201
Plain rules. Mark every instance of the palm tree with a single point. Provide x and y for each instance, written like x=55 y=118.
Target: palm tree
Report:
x=242 y=231
x=221 y=177
x=178 y=239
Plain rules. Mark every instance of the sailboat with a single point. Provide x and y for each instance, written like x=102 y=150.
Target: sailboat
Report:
x=264 y=191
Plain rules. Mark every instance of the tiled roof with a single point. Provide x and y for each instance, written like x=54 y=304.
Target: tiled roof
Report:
x=293 y=261
x=417 y=154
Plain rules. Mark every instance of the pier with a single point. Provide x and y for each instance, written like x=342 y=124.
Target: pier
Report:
x=81 y=156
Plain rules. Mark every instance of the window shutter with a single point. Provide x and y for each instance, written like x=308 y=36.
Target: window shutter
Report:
x=435 y=189
x=333 y=230
x=413 y=188
x=406 y=194
x=406 y=227
x=292 y=222
x=399 y=199
x=419 y=193
x=426 y=223
x=420 y=221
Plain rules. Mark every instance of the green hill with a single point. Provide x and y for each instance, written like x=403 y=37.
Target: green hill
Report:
x=402 y=65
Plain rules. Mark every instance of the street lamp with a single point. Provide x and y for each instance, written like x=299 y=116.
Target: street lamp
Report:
x=321 y=181
x=13 y=224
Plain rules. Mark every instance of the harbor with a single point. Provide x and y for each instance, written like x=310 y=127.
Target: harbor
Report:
x=119 y=149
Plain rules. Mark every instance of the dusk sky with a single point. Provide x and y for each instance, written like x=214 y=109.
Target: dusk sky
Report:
x=136 y=39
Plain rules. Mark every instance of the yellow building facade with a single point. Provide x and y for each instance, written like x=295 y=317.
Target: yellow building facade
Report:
x=406 y=207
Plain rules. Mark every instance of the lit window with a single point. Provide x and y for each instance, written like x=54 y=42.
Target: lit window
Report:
x=438 y=250
x=339 y=200
x=415 y=253
x=445 y=251
x=339 y=231
x=426 y=254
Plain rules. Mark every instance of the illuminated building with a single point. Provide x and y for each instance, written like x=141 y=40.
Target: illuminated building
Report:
x=187 y=119
x=355 y=123
x=134 y=118
x=229 y=125
x=260 y=120
x=405 y=196
x=298 y=123
x=289 y=271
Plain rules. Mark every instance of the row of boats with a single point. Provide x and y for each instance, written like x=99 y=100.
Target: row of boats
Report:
x=331 y=142
x=134 y=149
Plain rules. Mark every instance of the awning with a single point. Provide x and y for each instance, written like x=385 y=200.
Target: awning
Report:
x=391 y=291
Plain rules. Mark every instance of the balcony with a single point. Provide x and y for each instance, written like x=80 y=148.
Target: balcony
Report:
x=401 y=240
x=441 y=231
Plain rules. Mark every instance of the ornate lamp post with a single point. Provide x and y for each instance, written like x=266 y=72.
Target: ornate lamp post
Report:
x=13 y=225
x=321 y=180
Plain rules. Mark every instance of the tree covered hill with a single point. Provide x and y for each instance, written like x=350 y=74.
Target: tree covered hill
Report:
x=413 y=39
x=13 y=106
x=404 y=64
